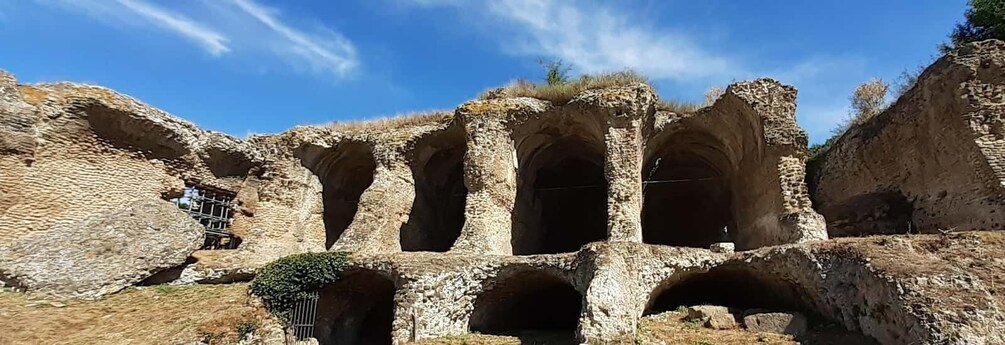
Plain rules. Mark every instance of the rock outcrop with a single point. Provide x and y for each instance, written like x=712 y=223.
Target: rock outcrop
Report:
x=103 y=253
x=935 y=160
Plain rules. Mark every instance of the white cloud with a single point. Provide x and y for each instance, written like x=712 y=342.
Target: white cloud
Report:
x=334 y=53
x=243 y=28
x=138 y=12
x=212 y=41
x=594 y=38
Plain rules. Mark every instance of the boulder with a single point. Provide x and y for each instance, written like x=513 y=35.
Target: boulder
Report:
x=781 y=323
x=721 y=321
x=704 y=312
x=103 y=253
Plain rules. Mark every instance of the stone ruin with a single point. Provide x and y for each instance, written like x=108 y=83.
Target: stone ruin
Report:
x=516 y=213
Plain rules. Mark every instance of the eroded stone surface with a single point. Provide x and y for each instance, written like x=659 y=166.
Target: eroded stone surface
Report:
x=103 y=253
x=932 y=161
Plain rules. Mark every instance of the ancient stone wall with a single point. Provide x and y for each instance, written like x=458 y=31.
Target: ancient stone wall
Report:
x=458 y=221
x=932 y=161
x=540 y=178
x=69 y=151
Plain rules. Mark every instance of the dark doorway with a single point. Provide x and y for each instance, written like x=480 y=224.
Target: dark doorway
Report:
x=687 y=201
x=528 y=303
x=561 y=199
x=358 y=309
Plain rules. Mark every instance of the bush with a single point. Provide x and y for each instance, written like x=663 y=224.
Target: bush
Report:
x=282 y=282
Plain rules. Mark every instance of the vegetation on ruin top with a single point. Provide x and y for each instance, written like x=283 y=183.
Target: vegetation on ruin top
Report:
x=394 y=122
x=558 y=88
x=282 y=282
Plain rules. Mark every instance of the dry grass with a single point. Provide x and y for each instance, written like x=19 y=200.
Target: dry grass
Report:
x=971 y=252
x=394 y=122
x=666 y=328
x=563 y=93
x=149 y=315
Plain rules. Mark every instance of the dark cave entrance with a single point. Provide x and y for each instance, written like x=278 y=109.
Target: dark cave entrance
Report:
x=687 y=200
x=561 y=198
x=358 y=309
x=528 y=302
x=437 y=215
x=346 y=173
x=724 y=286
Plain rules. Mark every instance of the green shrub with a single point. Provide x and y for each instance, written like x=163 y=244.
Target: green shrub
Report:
x=282 y=282
x=246 y=328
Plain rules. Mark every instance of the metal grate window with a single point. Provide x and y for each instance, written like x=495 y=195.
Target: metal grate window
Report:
x=302 y=318
x=213 y=208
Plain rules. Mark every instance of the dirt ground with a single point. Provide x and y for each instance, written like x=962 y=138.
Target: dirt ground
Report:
x=144 y=315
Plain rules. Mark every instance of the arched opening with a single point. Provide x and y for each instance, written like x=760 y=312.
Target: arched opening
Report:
x=528 y=303
x=687 y=198
x=437 y=214
x=561 y=196
x=345 y=174
x=745 y=292
x=358 y=309
x=724 y=286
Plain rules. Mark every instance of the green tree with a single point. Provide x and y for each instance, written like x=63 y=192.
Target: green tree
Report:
x=985 y=19
x=557 y=72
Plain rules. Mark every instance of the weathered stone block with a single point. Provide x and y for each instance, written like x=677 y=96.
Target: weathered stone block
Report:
x=103 y=253
x=781 y=323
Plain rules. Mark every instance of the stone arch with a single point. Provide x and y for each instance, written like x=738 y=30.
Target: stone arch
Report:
x=357 y=309
x=345 y=172
x=688 y=191
x=731 y=287
x=561 y=198
x=437 y=214
x=528 y=301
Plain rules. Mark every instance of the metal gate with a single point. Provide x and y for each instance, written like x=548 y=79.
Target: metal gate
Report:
x=302 y=319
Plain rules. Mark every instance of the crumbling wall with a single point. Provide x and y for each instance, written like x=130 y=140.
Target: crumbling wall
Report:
x=737 y=162
x=932 y=161
x=71 y=151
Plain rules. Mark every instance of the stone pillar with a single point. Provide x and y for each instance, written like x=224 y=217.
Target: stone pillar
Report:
x=490 y=177
x=623 y=170
x=434 y=304
x=383 y=208
x=799 y=222
x=612 y=302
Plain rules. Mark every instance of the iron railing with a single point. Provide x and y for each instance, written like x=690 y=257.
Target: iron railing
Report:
x=302 y=318
x=213 y=208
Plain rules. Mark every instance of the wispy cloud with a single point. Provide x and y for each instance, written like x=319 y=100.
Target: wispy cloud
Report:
x=334 y=54
x=595 y=38
x=243 y=28
x=214 y=42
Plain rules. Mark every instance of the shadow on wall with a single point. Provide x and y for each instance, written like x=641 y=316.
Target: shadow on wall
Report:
x=120 y=129
x=687 y=194
x=872 y=214
x=528 y=303
x=345 y=172
x=437 y=214
x=358 y=309
x=561 y=200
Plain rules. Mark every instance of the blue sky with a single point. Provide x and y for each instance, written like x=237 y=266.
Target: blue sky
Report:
x=258 y=66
